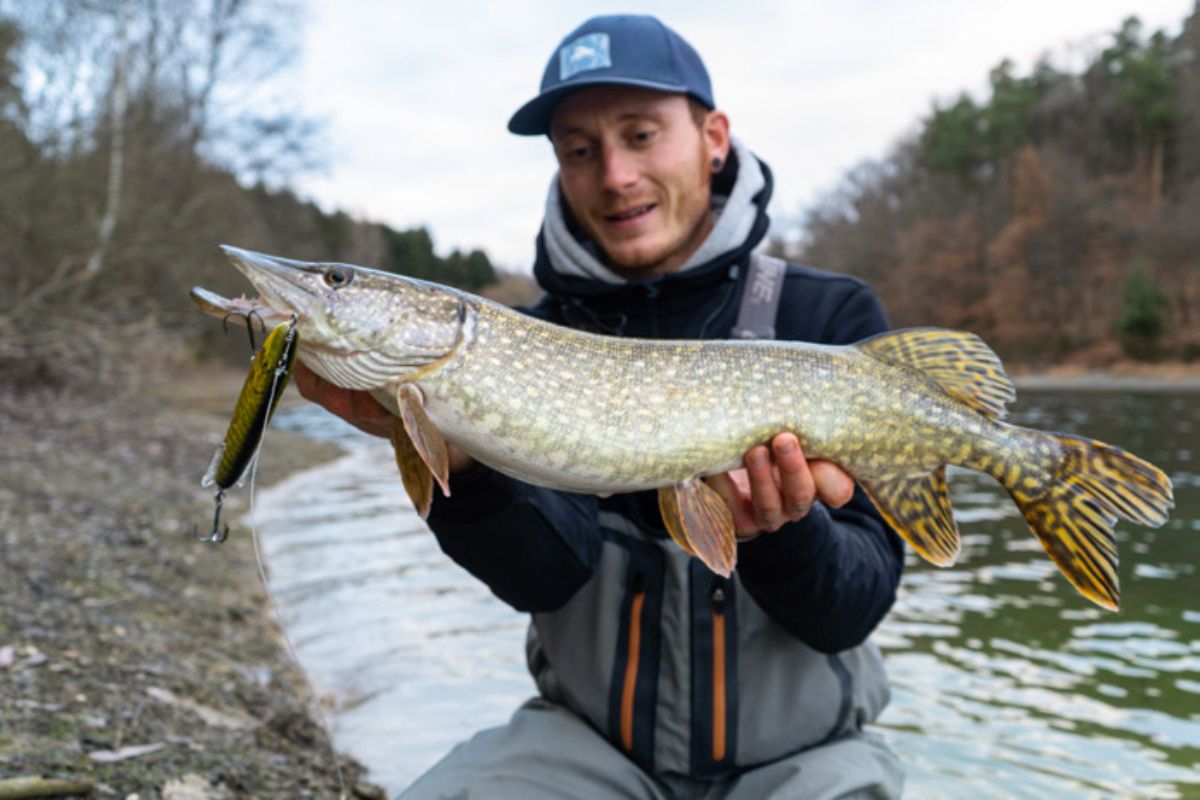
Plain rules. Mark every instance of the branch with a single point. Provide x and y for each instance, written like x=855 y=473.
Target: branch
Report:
x=35 y=786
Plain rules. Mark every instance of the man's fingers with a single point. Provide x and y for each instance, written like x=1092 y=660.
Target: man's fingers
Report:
x=764 y=489
x=723 y=486
x=734 y=489
x=834 y=487
x=780 y=485
x=796 y=480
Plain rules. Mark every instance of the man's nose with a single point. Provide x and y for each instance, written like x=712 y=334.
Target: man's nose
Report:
x=620 y=169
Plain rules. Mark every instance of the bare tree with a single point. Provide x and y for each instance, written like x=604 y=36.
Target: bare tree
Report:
x=117 y=168
x=116 y=163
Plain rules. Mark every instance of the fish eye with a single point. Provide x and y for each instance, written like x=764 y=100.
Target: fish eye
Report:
x=337 y=277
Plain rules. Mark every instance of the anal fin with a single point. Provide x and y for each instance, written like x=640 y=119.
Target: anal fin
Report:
x=700 y=523
x=918 y=508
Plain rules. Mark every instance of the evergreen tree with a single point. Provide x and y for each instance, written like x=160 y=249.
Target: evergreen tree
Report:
x=1141 y=324
x=1145 y=91
x=411 y=252
x=950 y=141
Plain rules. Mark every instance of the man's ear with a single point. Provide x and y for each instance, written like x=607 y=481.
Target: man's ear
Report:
x=716 y=135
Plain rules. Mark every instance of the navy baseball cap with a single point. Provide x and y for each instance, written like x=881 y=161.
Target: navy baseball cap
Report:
x=627 y=49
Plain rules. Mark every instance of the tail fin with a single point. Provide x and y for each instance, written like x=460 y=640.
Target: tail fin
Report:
x=1093 y=484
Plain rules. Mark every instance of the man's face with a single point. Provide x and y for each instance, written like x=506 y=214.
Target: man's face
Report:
x=634 y=168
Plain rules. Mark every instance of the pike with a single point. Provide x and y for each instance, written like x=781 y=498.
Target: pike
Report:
x=600 y=414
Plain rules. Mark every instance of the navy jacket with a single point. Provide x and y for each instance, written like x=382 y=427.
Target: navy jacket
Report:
x=828 y=579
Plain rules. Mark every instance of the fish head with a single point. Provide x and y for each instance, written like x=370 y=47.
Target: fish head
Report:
x=358 y=328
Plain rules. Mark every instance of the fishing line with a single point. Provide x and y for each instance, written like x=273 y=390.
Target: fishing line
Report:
x=262 y=574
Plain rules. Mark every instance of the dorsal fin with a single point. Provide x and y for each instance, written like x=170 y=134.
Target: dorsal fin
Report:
x=959 y=362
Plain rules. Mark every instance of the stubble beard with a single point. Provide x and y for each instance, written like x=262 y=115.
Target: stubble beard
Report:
x=678 y=255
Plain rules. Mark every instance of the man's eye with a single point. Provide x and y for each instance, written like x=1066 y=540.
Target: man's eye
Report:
x=577 y=153
x=644 y=136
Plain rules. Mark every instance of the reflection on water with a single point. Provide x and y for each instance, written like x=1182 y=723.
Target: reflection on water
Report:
x=1006 y=683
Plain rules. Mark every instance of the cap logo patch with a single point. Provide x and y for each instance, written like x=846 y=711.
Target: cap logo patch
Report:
x=589 y=51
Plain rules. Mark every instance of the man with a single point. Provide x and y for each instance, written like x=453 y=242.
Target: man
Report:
x=656 y=677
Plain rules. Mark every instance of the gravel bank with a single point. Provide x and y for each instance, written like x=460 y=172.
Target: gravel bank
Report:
x=119 y=631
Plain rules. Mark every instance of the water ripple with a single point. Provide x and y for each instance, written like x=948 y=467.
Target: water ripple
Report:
x=1006 y=684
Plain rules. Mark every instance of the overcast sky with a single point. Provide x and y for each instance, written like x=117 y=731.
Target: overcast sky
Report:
x=416 y=95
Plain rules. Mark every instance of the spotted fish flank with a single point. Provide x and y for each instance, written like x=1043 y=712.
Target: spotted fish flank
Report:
x=599 y=414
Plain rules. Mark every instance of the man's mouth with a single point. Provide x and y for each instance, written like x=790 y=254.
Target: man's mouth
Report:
x=630 y=214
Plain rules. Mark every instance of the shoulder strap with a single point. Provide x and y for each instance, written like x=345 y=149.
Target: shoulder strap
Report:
x=760 y=298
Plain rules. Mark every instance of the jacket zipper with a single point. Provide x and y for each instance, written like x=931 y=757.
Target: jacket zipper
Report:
x=629 y=686
x=719 y=720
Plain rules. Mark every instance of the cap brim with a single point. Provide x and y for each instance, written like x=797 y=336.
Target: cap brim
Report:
x=533 y=118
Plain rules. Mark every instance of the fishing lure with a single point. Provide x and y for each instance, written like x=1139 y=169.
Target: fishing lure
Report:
x=269 y=373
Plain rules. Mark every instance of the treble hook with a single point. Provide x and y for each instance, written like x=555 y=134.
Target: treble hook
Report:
x=218 y=533
x=250 y=315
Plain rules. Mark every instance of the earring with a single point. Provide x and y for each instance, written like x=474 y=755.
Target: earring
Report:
x=716 y=164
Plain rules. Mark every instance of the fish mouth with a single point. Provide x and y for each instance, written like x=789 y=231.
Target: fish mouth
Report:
x=239 y=309
x=285 y=286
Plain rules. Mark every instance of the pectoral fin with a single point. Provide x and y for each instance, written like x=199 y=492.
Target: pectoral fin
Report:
x=700 y=523
x=414 y=474
x=918 y=508
x=424 y=435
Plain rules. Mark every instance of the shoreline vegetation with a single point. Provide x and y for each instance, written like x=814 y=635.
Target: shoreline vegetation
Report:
x=1052 y=214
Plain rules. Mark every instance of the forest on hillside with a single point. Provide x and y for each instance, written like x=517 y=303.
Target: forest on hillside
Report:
x=135 y=136
x=1058 y=217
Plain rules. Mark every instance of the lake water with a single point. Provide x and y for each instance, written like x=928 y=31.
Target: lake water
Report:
x=1006 y=683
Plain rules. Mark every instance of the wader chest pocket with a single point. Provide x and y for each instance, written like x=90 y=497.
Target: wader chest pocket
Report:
x=633 y=690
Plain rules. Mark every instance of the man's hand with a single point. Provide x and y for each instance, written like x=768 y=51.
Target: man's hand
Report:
x=359 y=409
x=779 y=485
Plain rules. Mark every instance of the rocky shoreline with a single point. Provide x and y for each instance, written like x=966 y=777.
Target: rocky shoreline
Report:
x=132 y=656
